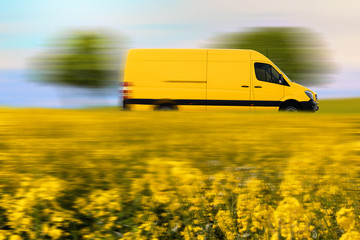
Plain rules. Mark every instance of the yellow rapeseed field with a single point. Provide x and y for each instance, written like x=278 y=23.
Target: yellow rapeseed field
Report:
x=108 y=174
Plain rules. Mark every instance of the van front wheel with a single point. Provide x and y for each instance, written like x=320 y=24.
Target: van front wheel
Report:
x=290 y=108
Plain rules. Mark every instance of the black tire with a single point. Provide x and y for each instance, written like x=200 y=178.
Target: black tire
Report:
x=290 y=108
x=166 y=108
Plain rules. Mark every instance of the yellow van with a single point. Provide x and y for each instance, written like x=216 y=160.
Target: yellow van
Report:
x=209 y=79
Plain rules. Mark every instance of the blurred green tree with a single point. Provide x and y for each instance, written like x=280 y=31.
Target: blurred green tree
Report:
x=81 y=59
x=298 y=52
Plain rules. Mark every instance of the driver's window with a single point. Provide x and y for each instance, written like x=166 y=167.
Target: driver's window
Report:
x=265 y=72
x=275 y=75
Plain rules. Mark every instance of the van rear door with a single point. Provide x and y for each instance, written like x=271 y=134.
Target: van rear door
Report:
x=169 y=75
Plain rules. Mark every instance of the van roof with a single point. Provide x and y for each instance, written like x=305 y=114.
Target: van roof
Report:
x=255 y=55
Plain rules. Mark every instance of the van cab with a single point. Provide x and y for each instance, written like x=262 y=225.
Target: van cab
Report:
x=209 y=79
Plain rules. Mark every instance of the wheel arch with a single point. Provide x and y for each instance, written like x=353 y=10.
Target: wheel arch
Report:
x=290 y=102
x=165 y=102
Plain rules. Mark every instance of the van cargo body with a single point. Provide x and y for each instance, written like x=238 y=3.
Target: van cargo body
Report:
x=209 y=79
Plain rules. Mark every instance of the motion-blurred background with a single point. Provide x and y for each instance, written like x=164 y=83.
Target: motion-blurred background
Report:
x=69 y=53
x=101 y=173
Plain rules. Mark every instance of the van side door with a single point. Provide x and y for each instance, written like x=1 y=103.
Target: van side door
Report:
x=228 y=80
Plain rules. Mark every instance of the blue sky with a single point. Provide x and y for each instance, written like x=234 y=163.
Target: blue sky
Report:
x=27 y=27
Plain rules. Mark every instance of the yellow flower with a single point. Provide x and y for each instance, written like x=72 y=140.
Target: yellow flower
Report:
x=200 y=237
x=54 y=233
x=226 y=224
x=351 y=235
x=15 y=237
x=345 y=217
x=3 y=234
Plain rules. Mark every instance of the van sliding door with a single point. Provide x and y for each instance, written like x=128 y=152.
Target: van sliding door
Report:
x=228 y=80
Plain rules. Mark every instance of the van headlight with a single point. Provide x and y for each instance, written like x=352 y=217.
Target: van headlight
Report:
x=310 y=95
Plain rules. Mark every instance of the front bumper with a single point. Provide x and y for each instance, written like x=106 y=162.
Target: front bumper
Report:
x=310 y=106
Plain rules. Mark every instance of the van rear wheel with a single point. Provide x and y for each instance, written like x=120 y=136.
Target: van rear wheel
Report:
x=166 y=108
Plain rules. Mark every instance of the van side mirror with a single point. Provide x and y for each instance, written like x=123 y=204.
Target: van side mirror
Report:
x=281 y=79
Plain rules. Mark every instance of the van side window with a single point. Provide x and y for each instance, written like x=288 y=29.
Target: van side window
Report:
x=265 y=72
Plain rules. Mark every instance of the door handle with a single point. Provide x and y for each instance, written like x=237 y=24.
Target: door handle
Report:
x=244 y=86
x=258 y=87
